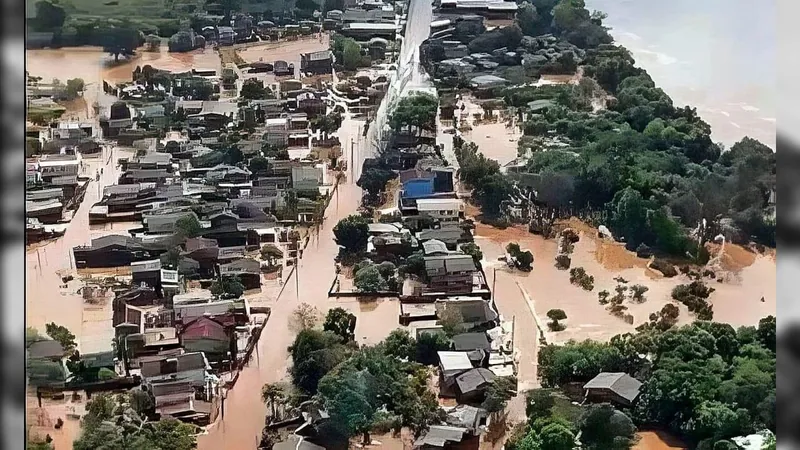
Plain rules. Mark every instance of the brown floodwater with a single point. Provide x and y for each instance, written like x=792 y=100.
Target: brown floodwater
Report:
x=94 y=66
x=658 y=440
x=244 y=412
x=737 y=301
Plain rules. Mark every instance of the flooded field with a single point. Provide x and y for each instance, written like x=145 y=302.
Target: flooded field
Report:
x=288 y=51
x=736 y=301
x=94 y=66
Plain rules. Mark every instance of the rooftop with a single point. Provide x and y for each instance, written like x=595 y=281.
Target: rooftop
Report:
x=620 y=383
x=472 y=380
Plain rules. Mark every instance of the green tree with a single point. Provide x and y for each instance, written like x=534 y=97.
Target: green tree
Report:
x=49 y=16
x=766 y=332
x=105 y=374
x=369 y=280
x=258 y=165
x=327 y=124
x=555 y=315
x=32 y=335
x=352 y=233
x=273 y=395
x=556 y=436
x=341 y=322
x=121 y=41
x=373 y=180
x=492 y=192
x=428 y=346
x=399 y=343
x=351 y=55
x=253 y=89
x=539 y=404
x=188 y=227
x=227 y=287
x=473 y=250
x=416 y=111
x=603 y=427
x=314 y=354
x=499 y=393
x=62 y=335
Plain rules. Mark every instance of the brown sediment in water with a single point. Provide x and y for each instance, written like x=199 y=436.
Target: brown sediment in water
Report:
x=734 y=257
x=658 y=440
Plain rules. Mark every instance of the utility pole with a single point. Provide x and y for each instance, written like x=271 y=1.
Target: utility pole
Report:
x=494 y=280
x=297 y=273
x=352 y=162
x=513 y=332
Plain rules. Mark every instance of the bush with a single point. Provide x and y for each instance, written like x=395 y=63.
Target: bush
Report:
x=105 y=374
x=555 y=315
x=579 y=277
x=369 y=280
x=694 y=296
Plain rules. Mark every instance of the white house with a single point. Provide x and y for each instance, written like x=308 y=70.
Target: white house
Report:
x=443 y=209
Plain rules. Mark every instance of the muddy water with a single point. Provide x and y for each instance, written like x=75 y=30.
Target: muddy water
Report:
x=736 y=302
x=93 y=66
x=288 y=51
x=244 y=412
x=657 y=440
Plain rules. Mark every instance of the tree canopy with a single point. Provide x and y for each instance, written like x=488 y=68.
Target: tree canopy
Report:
x=352 y=233
x=417 y=111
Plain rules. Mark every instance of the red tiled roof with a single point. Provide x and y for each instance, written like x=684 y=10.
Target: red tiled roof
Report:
x=204 y=327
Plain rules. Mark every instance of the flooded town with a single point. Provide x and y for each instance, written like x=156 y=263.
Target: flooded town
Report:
x=388 y=224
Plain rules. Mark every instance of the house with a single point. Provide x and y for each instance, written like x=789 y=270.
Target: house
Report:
x=46 y=211
x=195 y=304
x=316 y=63
x=166 y=222
x=471 y=385
x=47 y=349
x=442 y=437
x=209 y=335
x=450 y=236
x=450 y=274
x=474 y=311
x=136 y=176
x=248 y=272
x=471 y=341
x=277 y=131
x=492 y=9
x=114 y=251
x=615 y=387
x=435 y=247
x=416 y=184
x=191 y=367
x=452 y=364
x=59 y=166
x=296 y=442
x=172 y=398
x=443 y=209
x=475 y=420
x=225 y=35
x=306 y=178
x=147 y=272
x=367 y=31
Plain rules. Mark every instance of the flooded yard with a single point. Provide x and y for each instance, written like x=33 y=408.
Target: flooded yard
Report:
x=737 y=301
x=288 y=51
x=658 y=440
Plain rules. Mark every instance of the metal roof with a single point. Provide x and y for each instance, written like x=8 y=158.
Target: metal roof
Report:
x=473 y=379
x=471 y=341
x=440 y=435
x=620 y=383
x=454 y=361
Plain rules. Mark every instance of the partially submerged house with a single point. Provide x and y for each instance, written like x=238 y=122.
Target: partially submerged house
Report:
x=316 y=63
x=614 y=387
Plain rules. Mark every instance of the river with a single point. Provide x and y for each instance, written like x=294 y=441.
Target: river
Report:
x=716 y=55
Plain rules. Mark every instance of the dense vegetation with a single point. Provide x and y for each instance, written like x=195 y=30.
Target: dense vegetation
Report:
x=706 y=382
x=616 y=142
x=365 y=389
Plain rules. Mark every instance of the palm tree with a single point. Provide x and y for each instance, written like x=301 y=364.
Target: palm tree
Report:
x=273 y=394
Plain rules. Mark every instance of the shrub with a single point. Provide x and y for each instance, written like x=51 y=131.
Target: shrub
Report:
x=555 y=315
x=579 y=277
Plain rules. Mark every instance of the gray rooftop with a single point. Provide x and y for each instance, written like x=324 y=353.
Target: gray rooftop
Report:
x=620 y=383
x=46 y=349
x=471 y=341
x=440 y=265
x=454 y=361
x=434 y=246
x=440 y=435
x=472 y=380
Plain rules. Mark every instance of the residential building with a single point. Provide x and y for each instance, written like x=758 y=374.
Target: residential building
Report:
x=225 y=35
x=451 y=236
x=197 y=303
x=307 y=178
x=367 y=31
x=211 y=335
x=190 y=367
x=443 y=437
x=471 y=385
x=115 y=251
x=246 y=270
x=492 y=9
x=316 y=63
x=450 y=274
x=475 y=311
x=277 y=131
x=442 y=209
x=156 y=223
x=59 y=168
x=615 y=387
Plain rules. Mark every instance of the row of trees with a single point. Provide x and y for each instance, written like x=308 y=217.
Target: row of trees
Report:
x=707 y=382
